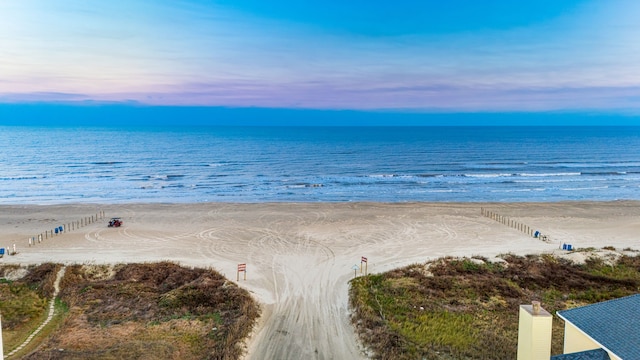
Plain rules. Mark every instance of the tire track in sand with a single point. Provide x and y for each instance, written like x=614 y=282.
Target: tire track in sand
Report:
x=309 y=318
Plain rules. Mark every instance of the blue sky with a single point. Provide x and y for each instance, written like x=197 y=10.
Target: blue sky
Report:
x=499 y=56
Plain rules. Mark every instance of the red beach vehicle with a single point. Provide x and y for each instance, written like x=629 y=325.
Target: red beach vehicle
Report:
x=115 y=222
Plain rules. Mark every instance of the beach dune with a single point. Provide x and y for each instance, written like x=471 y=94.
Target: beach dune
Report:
x=300 y=256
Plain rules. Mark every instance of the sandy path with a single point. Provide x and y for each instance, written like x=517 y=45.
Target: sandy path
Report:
x=300 y=256
x=52 y=304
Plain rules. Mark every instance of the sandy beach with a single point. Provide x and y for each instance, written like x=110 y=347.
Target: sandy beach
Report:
x=300 y=256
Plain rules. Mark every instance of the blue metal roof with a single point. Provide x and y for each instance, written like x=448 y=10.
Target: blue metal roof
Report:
x=614 y=324
x=597 y=354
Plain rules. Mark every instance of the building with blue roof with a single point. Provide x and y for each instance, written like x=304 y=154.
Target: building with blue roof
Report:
x=596 y=354
x=612 y=326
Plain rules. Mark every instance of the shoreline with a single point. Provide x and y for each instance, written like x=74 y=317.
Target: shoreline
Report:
x=300 y=256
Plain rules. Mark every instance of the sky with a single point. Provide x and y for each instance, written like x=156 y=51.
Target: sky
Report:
x=403 y=57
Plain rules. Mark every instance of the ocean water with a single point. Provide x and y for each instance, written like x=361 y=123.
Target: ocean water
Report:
x=41 y=165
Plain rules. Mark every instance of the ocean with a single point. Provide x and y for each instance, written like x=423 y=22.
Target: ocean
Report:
x=45 y=165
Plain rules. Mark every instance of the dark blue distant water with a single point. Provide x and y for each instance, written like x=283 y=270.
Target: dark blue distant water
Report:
x=308 y=164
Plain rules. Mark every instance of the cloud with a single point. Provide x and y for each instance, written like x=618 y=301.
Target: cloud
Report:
x=186 y=53
x=42 y=97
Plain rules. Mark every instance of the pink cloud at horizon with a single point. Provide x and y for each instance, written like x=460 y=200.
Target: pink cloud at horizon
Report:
x=160 y=53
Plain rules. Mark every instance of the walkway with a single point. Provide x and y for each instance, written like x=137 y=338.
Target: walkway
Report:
x=52 y=303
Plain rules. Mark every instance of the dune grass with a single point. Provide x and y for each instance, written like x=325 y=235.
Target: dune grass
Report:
x=136 y=311
x=468 y=308
x=24 y=300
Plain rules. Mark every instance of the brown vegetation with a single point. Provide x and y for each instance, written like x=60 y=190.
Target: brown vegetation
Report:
x=468 y=308
x=148 y=311
x=24 y=293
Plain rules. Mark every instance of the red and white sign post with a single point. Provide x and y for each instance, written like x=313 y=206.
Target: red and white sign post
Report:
x=241 y=268
x=363 y=260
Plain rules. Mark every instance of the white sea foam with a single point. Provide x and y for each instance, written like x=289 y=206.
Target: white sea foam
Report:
x=549 y=174
x=320 y=164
